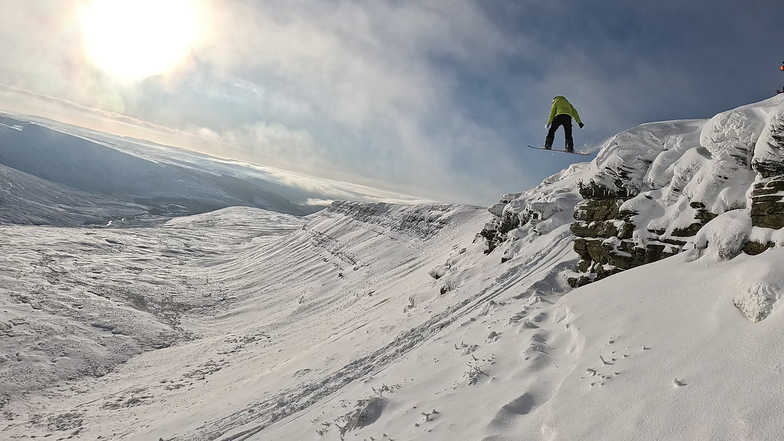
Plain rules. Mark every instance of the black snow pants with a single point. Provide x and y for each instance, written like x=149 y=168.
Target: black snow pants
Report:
x=558 y=121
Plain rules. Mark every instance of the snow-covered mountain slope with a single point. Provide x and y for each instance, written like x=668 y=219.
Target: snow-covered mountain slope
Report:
x=235 y=293
x=28 y=200
x=248 y=325
x=128 y=174
x=77 y=302
x=385 y=322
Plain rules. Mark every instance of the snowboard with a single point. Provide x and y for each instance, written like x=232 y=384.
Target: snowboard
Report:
x=559 y=151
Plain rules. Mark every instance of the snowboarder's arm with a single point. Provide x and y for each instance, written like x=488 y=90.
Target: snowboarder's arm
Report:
x=576 y=116
x=552 y=115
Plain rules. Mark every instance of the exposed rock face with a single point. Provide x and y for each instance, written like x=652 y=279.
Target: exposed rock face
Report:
x=767 y=203
x=621 y=223
x=767 y=198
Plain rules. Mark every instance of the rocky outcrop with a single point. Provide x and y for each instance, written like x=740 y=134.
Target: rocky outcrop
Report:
x=505 y=221
x=419 y=221
x=604 y=235
x=767 y=198
x=767 y=203
x=628 y=220
x=622 y=221
x=651 y=191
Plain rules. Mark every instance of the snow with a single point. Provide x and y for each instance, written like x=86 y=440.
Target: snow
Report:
x=725 y=235
x=390 y=322
x=681 y=361
x=629 y=154
x=551 y=204
x=767 y=235
x=758 y=299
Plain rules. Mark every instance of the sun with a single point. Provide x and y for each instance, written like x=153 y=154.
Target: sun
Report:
x=135 y=39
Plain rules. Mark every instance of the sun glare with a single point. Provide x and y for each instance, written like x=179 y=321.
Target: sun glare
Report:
x=135 y=39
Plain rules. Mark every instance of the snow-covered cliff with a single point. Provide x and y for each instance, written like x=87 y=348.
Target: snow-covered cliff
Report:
x=651 y=190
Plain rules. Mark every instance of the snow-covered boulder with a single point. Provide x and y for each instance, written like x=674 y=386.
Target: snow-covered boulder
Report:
x=758 y=299
x=538 y=211
x=725 y=236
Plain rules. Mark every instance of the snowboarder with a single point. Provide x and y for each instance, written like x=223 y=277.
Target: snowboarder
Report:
x=782 y=89
x=561 y=114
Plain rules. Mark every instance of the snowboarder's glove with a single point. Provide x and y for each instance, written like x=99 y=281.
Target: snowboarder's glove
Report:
x=547 y=126
x=581 y=125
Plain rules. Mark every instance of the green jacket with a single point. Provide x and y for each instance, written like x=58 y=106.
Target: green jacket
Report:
x=563 y=107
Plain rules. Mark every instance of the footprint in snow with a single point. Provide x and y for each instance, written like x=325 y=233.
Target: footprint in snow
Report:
x=493 y=337
x=537 y=395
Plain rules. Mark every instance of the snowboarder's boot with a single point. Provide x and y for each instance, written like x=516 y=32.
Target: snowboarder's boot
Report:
x=548 y=142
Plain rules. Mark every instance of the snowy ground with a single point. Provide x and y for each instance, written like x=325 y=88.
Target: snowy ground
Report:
x=243 y=324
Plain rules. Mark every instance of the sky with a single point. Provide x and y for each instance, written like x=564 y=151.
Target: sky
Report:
x=433 y=98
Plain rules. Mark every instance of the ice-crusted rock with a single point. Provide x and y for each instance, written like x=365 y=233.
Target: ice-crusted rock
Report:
x=733 y=134
x=700 y=170
x=767 y=206
x=497 y=209
x=623 y=220
x=439 y=271
x=622 y=165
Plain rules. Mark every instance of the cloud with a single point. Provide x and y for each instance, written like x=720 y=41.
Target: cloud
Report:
x=344 y=86
x=368 y=72
x=319 y=202
x=335 y=189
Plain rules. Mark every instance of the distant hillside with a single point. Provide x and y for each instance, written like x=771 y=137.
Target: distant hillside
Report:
x=98 y=169
x=29 y=200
